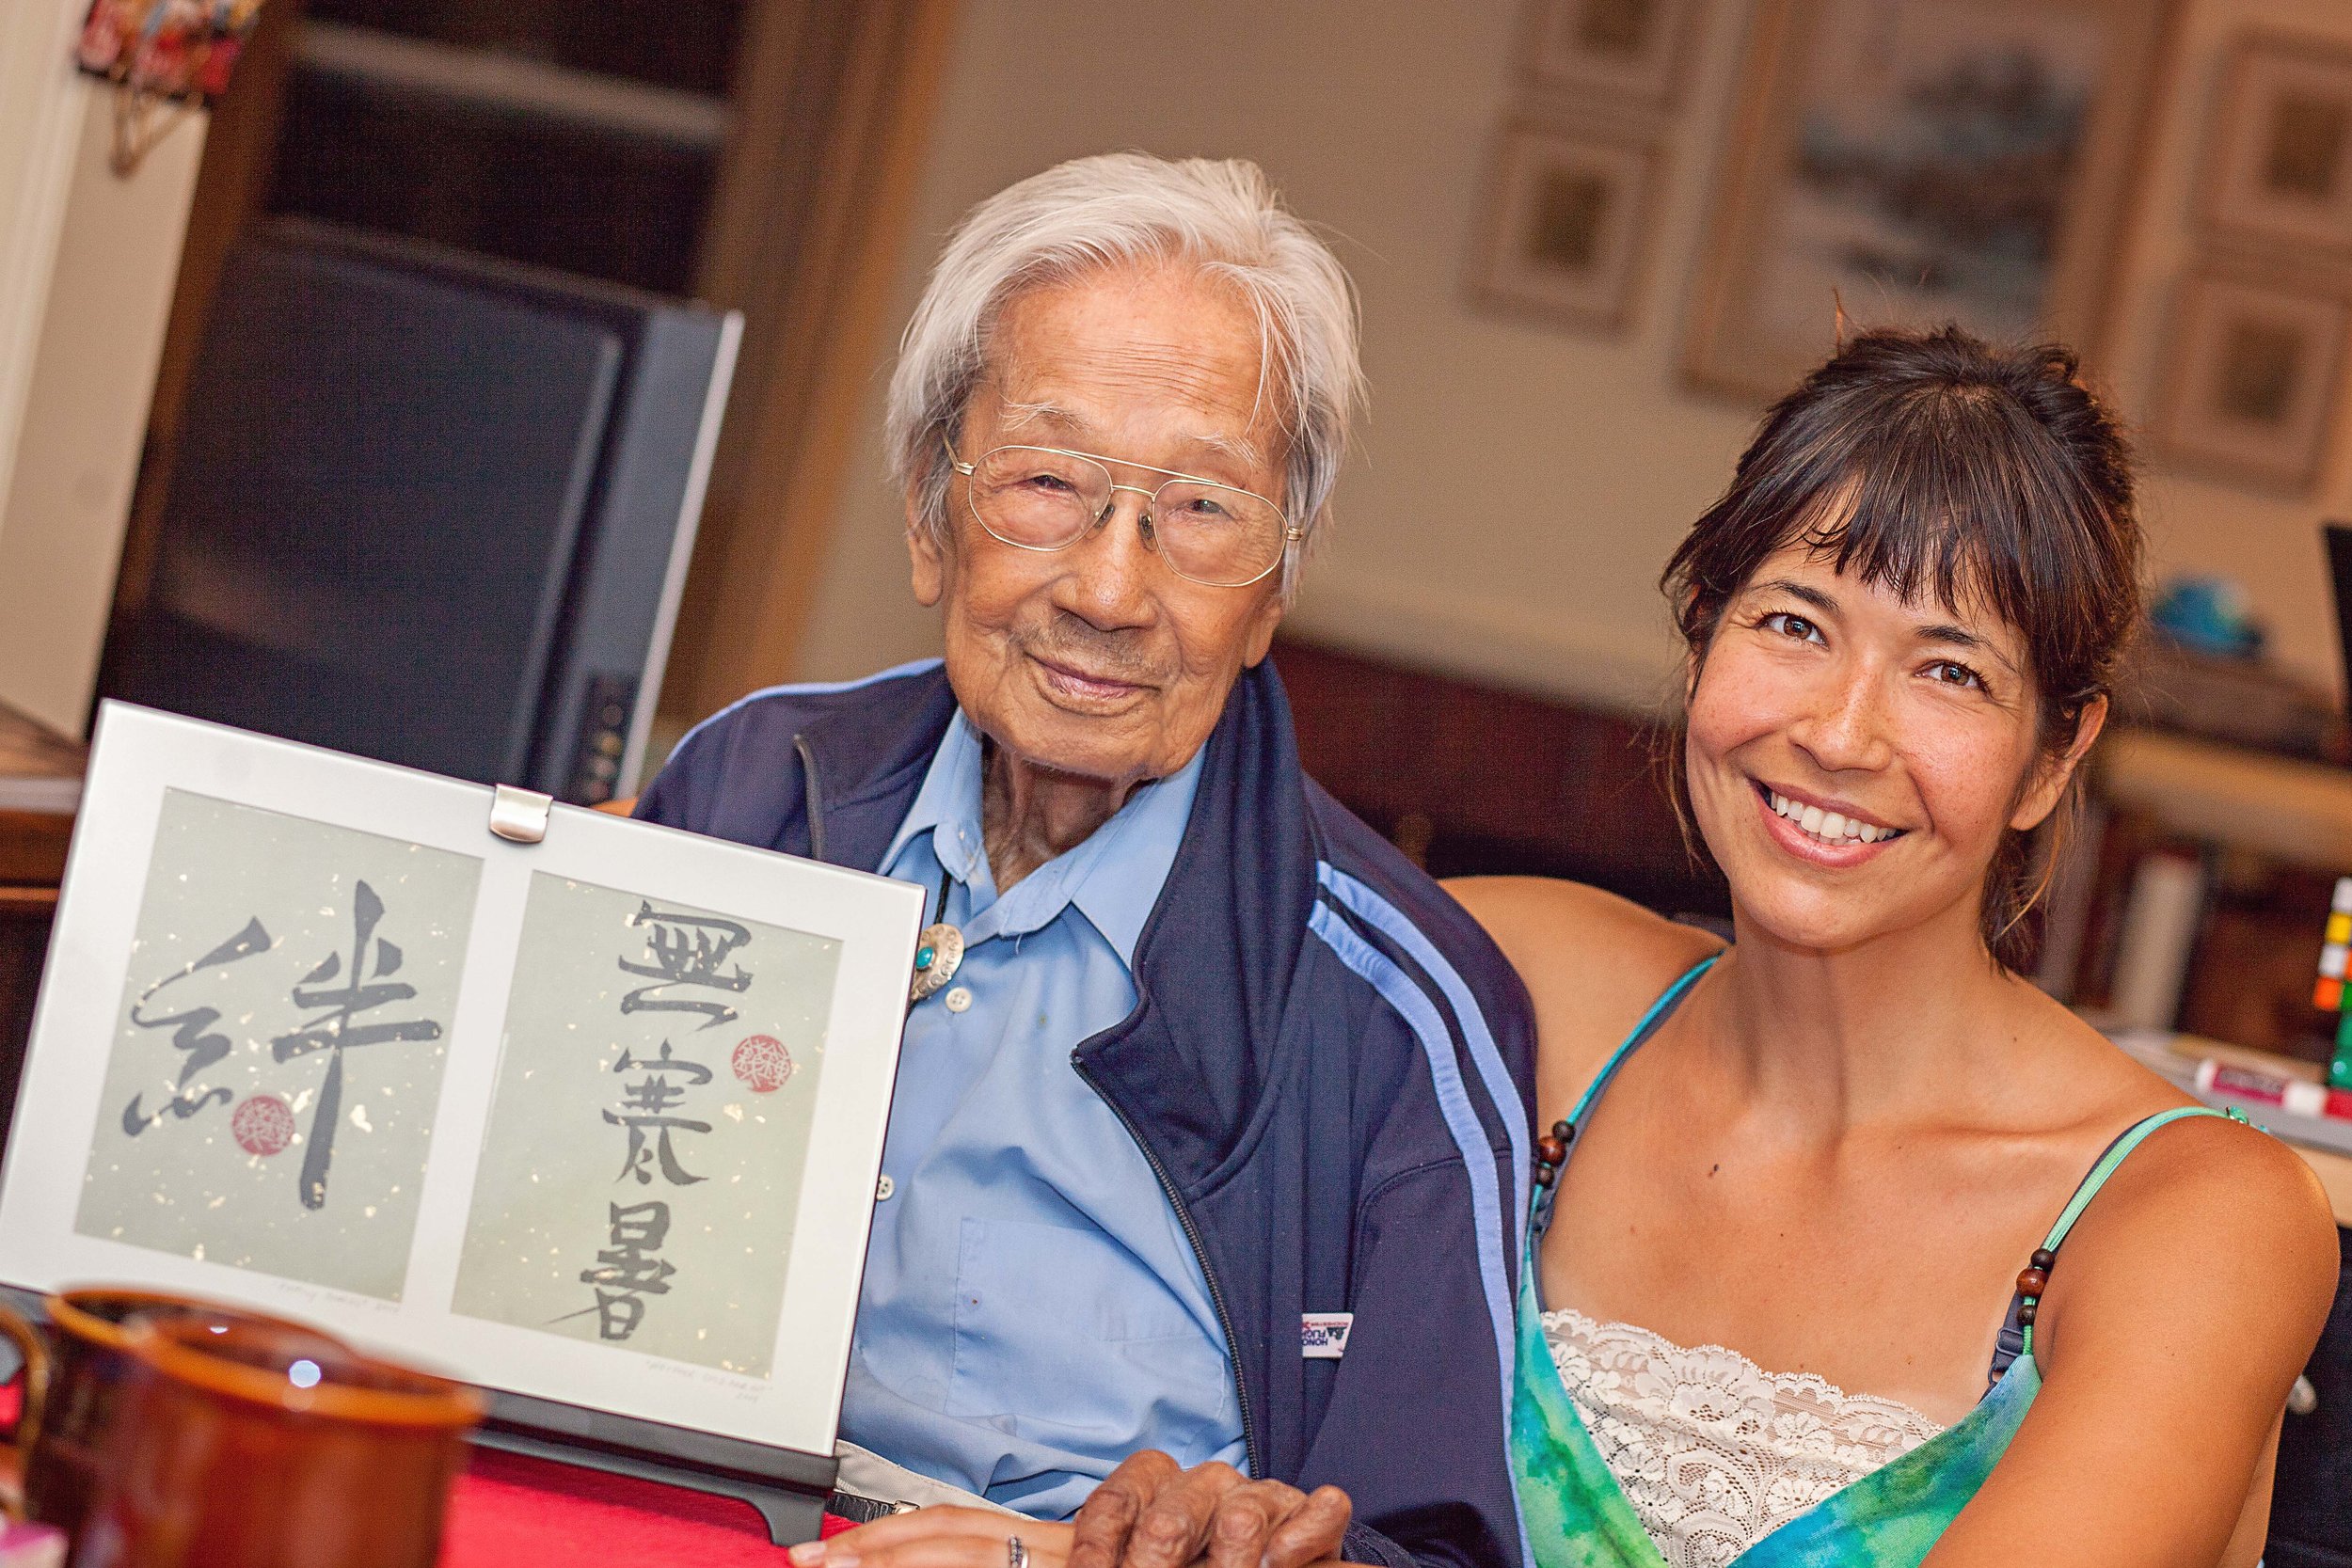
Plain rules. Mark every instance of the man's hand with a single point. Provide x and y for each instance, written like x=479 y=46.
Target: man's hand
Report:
x=1151 y=1512
x=943 y=1537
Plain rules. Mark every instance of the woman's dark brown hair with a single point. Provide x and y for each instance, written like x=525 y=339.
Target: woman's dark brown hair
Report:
x=1935 y=464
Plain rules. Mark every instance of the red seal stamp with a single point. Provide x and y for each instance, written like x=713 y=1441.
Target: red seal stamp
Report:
x=262 y=1124
x=761 y=1063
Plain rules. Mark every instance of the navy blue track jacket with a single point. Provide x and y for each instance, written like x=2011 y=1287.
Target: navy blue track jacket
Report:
x=1327 y=1066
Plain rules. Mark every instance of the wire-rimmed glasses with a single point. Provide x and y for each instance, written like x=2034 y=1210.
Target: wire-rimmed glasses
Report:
x=1048 y=499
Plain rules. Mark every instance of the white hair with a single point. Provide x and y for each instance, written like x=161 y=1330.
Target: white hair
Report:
x=1218 y=215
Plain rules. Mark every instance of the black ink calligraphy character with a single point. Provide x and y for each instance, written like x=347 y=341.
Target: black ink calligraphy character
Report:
x=627 y=1270
x=631 y=1267
x=656 y=1094
x=334 y=1030
x=643 y=1225
x=641 y=1159
x=199 y=1050
x=618 y=1312
x=695 y=1072
x=686 y=950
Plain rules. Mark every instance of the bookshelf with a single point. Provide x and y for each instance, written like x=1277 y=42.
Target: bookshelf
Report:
x=2196 y=901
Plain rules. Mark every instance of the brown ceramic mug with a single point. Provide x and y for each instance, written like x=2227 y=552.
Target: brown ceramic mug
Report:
x=255 y=1445
x=72 y=1394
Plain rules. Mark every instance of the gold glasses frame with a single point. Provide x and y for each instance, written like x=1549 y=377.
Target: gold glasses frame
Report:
x=1291 y=533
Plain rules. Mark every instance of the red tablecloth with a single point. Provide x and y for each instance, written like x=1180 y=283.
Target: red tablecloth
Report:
x=509 y=1512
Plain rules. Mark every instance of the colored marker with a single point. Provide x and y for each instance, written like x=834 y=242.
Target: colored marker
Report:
x=2296 y=1095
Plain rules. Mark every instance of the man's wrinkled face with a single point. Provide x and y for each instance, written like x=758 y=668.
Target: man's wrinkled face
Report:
x=1096 y=660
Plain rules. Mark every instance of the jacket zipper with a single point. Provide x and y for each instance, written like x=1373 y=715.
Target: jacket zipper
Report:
x=811 y=806
x=1201 y=1255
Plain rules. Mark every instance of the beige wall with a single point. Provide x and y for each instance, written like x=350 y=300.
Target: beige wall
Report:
x=37 y=135
x=2271 y=544
x=86 y=283
x=1517 y=489
x=68 y=500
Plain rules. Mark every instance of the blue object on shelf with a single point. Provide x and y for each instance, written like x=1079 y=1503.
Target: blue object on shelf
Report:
x=2208 y=615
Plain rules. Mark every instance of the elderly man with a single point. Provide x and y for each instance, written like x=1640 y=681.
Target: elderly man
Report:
x=1208 y=1137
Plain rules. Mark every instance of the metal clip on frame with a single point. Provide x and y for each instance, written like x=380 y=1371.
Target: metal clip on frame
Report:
x=519 y=815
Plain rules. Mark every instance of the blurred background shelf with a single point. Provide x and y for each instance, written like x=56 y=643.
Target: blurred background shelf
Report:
x=2231 y=796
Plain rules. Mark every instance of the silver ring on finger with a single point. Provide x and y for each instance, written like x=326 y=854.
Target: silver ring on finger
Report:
x=1016 y=1552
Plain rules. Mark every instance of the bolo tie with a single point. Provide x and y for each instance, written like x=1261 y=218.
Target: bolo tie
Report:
x=938 y=952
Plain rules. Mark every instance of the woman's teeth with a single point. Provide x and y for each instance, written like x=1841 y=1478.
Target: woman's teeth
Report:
x=1828 y=826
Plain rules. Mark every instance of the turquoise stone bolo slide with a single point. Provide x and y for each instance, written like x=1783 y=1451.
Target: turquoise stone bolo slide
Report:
x=937 y=953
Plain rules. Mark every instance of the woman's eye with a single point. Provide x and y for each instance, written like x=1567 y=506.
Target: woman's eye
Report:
x=1954 y=673
x=1787 y=624
x=1051 y=483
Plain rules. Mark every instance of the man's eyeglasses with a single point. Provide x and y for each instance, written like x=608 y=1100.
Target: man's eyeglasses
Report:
x=1046 y=498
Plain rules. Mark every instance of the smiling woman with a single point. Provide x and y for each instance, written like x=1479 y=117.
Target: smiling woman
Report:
x=1902 y=621
x=1760 y=1314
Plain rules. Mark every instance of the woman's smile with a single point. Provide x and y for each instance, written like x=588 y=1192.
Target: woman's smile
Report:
x=1835 y=834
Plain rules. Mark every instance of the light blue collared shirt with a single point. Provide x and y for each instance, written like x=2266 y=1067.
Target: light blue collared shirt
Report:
x=1032 y=1312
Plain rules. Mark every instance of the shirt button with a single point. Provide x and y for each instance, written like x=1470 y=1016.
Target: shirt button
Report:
x=883 y=1188
x=958 y=999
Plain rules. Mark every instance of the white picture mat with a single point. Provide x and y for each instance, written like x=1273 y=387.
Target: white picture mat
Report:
x=1513 y=277
x=139 y=754
x=2268 y=72
x=2192 y=423
x=1561 y=57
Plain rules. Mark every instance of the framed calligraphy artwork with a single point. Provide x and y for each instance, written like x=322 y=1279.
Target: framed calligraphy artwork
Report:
x=593 y=1120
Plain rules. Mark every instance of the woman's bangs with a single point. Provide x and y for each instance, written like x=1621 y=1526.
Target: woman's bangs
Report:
x=1908 y=518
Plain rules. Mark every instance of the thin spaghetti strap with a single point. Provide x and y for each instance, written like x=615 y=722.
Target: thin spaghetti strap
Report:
x=2117 y=1153
x=1551 y=1151
x=2037 y=1276
x=1666 y=1002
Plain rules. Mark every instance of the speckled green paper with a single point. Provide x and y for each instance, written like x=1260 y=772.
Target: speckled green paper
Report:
x=553 y=1167
x=188 y=1183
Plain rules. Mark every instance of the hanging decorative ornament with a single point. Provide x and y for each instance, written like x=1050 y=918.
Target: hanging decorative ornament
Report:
x=164 y=57
x=937 y=953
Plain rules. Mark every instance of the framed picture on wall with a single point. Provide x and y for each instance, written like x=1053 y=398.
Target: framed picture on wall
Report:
x=2252 y=378
x=1917 y=162
x=1566 y=213
x=1626 y=49
x=2279 y=157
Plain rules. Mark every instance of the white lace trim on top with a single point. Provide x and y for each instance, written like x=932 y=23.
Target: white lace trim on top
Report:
x=1714 y=1451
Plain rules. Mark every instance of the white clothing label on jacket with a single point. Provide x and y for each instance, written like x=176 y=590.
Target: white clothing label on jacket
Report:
x=1323 y=1336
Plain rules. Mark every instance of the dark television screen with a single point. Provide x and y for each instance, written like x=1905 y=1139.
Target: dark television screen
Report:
x=427 y=509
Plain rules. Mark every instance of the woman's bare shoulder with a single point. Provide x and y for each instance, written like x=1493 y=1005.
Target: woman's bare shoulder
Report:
x=2179 y=1309
x=2201 y=1180
x=1593 y=963
x=2212 y=1230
